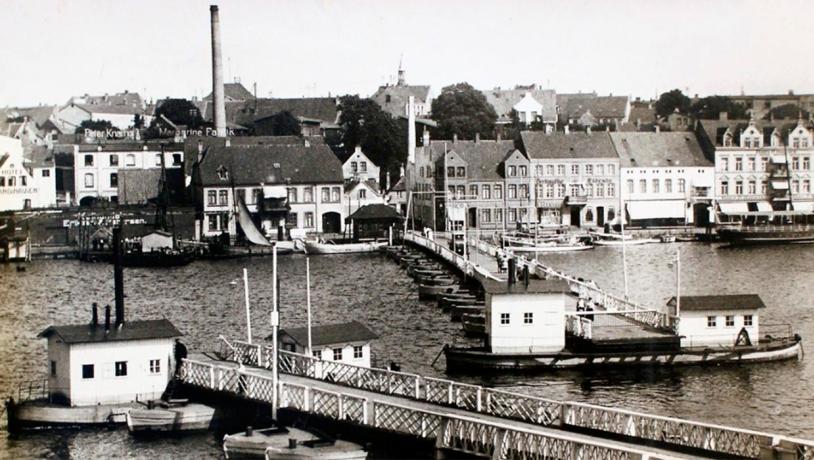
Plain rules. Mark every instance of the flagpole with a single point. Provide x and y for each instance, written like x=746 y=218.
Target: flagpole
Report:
x=308 y=300
x=275 y=322
x=248 y=308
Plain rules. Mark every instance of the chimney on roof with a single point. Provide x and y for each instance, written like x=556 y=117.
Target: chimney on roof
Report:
x=565 y=129
x=454 y=138
x=791 y=92
x=723 y=116
x=219 y=109
x=107 y=318
x=477 y=137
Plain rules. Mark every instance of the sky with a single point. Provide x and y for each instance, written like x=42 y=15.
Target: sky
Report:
x=292 y=48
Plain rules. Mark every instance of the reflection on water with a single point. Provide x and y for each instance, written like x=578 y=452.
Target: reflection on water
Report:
x=202 y=302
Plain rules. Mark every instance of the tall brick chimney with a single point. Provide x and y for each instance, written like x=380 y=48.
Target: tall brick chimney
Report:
x=219 y=107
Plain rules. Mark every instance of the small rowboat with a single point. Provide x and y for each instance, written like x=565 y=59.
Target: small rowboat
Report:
x=173 y=416
x=316 y=247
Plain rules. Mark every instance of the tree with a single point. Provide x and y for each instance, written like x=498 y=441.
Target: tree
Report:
x=95 y=125
x=364 y=123
x=180 y=112
x=670 y=101
x=461 y=109
x=710 y=108
x=792 y=111
x=285 y=124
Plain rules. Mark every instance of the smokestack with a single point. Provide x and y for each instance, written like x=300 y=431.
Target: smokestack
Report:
x=219 y=108
x=411 y=130
x=118 y=275
x=107 y=318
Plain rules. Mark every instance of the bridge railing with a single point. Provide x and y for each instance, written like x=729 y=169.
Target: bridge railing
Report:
x=466 y=266
x=508 y=405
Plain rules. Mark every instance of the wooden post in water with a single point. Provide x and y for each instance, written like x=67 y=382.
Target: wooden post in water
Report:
x=275 y=323
x=248 y=309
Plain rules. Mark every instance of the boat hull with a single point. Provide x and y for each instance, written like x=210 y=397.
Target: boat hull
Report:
x=273 y=443
x=190 y=417
x=39 y=414
x=479 y=359
x=313 y=247
x=746 y=237
x=553 y=248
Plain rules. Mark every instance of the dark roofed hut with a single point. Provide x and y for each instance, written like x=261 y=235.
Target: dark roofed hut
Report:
x=373 y=221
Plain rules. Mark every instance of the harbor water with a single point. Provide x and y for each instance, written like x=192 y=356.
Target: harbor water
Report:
x=205 y=299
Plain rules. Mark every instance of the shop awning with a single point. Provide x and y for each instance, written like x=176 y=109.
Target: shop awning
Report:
x=739 y=207
x=639 y=210
x=782 y=184
x=764 y=206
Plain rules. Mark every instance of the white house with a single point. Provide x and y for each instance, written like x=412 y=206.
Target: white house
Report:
x=358 y=167
x=665 y=178
x=397 y=196
x=97 y=167
x=93 y=364
x=526 y=318
x=359 y=194
x=346 y=342
x=714 y=320
x=25 y=182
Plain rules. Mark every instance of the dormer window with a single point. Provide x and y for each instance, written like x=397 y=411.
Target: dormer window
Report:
x=727 y=140
x=223 y=173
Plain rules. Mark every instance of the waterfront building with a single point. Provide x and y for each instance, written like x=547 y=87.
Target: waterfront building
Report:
x=345 y=342
x=530 y=104
x=358 y=167
x=25 y=182
x=98 y=167
x=92 y=364
x=360 y=193
x=665 y=178
x=718 y=320
x=374 y=221
x=306 y=177
x=575 y=177
x=525 y=318
x=393 y=99
x=470 y=174
x=397 y=196
x=760 y=165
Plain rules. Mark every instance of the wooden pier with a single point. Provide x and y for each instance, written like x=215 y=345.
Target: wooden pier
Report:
x=469 y=418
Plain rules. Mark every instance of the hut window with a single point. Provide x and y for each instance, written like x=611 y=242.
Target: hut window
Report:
x=358 y=352
x=87 y=371
x=318 y=354
x=730 y=321
x=528 y=318
x=121 y=368
x=504 y=318
x=155 y=366
x=747 y=320
x=712 y=321
x=337 y=354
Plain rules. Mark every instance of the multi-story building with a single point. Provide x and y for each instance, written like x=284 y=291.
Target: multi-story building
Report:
x=97 y=167
x=394 y=99
x=306 y=177
x=25 y=183
x=665 y=178
x=759 y=105
x=760 y=165
x=575 y=177
x=470 y=174
x=358 y=167
x=588 y=109
x=529 y=104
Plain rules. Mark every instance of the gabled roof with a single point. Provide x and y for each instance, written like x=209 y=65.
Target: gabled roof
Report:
x=124 y=98
x=400 y=186
x=375 y=212
x=330 y=334
x=130 y=330
x=111 y=109
x=399 y=96
x=234 y=91
x=504 y=100
x=191 y=143
x=719 y=302
x=575 y=105
x=714 y=130
x=642 y=149
x=539 y=145
x=483 y=158
x=271 y=164
x=39 y=114
x=247 y=112
x=370 y=184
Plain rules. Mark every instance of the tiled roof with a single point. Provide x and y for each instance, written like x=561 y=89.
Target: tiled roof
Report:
x=715 y=129
x=658 y=149
x=130 y=330
x=539 y=145
x=125 y=98
x=399 y=96
x=575 y=105
x=400 y=186
x=375 y=212
x=642 y=113
x=38 y=156
x=113 y=109
x=191 y=143
x=720 y=302
x=330 y=334
x=246 y=112
x=39 y=114
x=503 y=100
x=483 y=158
x=234 y=91
x=271 y=164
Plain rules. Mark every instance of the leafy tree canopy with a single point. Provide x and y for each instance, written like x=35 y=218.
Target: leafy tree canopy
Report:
x=670 y=101
x=786 y=111
x=461 y=109
x=95 y=125
x=365 y=124
x=710 y=108
x=180 y=112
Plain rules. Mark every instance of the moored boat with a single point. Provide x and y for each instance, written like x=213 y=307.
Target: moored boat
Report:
x=317 y=247
x=170 y=416
x=289 y=443
x=614 y=240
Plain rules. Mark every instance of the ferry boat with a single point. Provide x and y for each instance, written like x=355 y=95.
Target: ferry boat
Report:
x=769 y=227
x=710 y=330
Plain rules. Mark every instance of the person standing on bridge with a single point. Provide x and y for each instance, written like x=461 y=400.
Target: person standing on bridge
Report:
x=180 y=355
